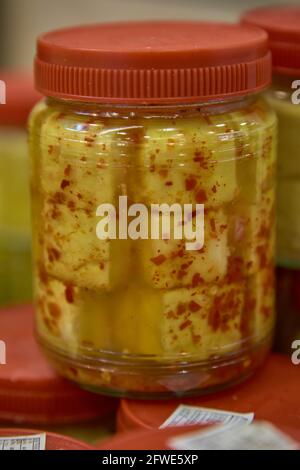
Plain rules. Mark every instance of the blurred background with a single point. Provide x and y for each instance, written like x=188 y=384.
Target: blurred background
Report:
x=21 y=21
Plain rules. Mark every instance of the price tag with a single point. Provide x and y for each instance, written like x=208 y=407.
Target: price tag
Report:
x=31 y=442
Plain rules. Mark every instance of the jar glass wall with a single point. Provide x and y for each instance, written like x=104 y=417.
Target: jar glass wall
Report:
x=140 y=315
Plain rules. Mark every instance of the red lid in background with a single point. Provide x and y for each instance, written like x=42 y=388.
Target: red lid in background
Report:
x=157 y=439
x=282 y=23
x=20 y=98
x=30 y=390
x=152 y=62
x=53 y=441
x=272 y=394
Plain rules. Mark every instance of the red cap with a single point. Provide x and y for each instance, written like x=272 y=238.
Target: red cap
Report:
x=152 y=62
x=158 y=439
x=283 y=27
x=30 y=390
x=53 y=441
x=20 y=98
x=272 y=394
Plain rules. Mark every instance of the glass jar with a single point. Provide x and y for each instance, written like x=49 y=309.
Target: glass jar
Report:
x=153 y=210
x=283 y=26
x=15 y=244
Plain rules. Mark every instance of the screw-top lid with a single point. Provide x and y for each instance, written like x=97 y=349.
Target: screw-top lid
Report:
x=53 y=441
x=155 y=439
x=30 y=390
x=159 y=439
x=272 y=394
x=18 y=97
x=152 y=62
x=282 y=23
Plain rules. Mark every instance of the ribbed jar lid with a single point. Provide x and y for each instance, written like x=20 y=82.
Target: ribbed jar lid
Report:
x=282 y=23
x=152 y=62
x=30 y=390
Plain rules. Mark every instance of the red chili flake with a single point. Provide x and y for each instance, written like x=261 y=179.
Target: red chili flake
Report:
x=181 y=308
x=58 y=198
x=79 y=196
x=54 y=310
x=261 y=252
x=201 y=196
x=196 y=338
x=71 y=205
x=83 y=159
x=235 y=269
x=43 y=274
x=101 y=265
x=50 y=149
x=89 y=141
x=64 y=184
x=53 y=254
x=163 y=172
x=199 y=158
x=181 y=274
x=213 y=225
x=158 y=260
x=169 y=183
x=185 y=324
x=193 y=306
x=190 y=183
x=267 y=312
x=69 y=294
x=67 y=170
x=214 y=189
x=197 y=279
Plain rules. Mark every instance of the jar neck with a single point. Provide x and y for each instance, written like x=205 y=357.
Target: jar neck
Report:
x=178 y=109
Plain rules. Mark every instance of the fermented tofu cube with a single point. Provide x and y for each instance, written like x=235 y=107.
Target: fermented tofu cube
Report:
x=95 y=325
x=203 y=322
x=187 y=161
x=73 y=253
x=81 y=160
x=167 y=264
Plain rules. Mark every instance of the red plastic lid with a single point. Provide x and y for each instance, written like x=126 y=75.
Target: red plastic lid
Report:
x=272 y=394
x=53 y=441
x=20 y=98
x=152 y=62
x=30 y=390
x=282 y=23
x=157 y=439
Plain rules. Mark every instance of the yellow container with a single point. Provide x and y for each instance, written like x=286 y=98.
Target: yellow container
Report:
x=283 y=26
x=15 y=243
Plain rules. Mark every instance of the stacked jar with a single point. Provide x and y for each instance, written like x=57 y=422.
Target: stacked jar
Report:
x=283 y=26
x=153 y=160
x=18 y=97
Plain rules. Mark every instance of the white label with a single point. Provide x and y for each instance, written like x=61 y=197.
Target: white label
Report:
x=32 y=442
x=186 y=415
x=257 y=436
